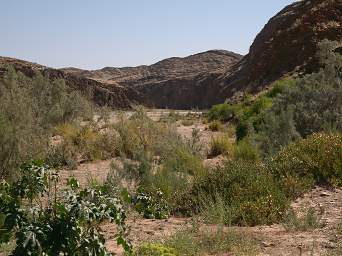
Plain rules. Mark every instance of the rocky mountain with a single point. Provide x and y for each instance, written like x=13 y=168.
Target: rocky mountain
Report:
x=168 y=83
x=287 y=44
x=100 y=93
x=171 y=68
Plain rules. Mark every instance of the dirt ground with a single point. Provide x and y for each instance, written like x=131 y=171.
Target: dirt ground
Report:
x=273 y=240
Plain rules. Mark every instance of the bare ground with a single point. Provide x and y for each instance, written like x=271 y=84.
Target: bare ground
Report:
x=273 y=240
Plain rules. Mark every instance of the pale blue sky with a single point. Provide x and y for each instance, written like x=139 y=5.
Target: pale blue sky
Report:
x=92 y=34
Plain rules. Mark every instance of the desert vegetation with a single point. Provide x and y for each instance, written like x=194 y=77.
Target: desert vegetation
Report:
x=286 y=141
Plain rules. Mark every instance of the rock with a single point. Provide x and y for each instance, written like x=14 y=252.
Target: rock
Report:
x=324 y=194
x=267 y=244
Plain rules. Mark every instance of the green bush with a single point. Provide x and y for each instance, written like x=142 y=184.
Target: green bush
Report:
x=222 y=112
x=278 y=87
x=29 y=109
x=220 y=145
x=312 y=104
x=215 y=126
x=81 y=143
x=316 y=160
x=175 y=174
x=151 y=205
x=250 y=193
x=245 y=151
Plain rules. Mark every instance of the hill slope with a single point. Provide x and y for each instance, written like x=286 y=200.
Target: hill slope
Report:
x=286 y=45
x=166 y=69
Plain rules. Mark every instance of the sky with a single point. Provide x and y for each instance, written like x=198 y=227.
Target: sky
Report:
x=93 y=34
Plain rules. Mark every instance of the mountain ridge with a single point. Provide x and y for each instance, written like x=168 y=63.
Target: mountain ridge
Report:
x=286 y=45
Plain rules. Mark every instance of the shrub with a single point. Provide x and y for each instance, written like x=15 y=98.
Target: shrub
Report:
x=220 y=145
x=222 y=112
x=151 y=205
x=316 y=160
x=278 y=87
x=81 y=143
x=244 y=150
x=29 y=108
x=250 y=193
x=175 y=174
x=215 y=126
x=276 y=131
x=140 y=135
x=215 y=241
x=187 y=122
x=312 y=104
x=308 y=221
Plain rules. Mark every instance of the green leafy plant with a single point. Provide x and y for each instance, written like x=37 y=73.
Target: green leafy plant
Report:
x=151 y=205
x=68 y=224
x=312 y=104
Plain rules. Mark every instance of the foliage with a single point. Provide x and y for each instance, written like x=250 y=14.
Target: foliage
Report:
x=176 y=173
x=154 y=249
x=309 y=221
x=313 y=104
x=316 y=160
x=220 y=145
x=66 y=225
x=81 y=143
x=244 y=150
x=222 y=112
x=250 y=194
x=249 y=113
x=29 y=108
x=151 y=205
x=192 y=241
x=215 y=125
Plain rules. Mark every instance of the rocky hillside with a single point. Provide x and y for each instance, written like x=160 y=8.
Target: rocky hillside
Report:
x=286 y=45
x=100 y=93
x=167 y=69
